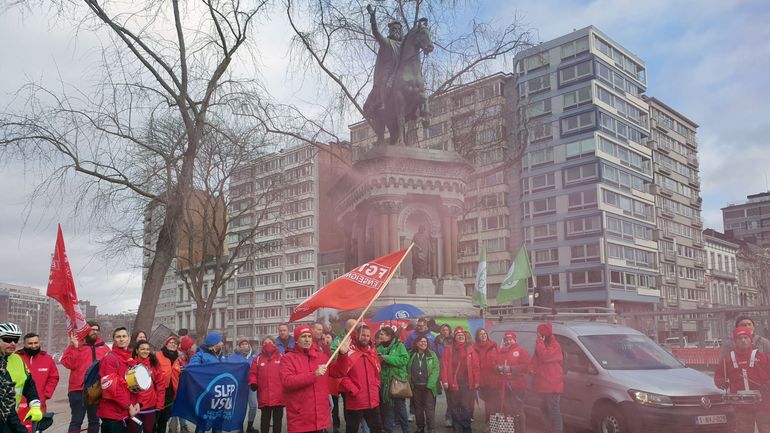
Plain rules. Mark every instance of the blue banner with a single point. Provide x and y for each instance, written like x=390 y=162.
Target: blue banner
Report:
x=213 y=396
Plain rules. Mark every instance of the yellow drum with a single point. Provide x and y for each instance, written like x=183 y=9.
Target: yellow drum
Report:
x=138 y=378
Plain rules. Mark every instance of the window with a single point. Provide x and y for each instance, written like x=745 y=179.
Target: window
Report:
x=580 y=148
x=494 y=222
x=627 y=157
x=577 y=122
x=585 y=278
x=576 y=98
x=495 y=245
x=620 y=129
x=468 y=226
x=543 y=182
x=630 y=206
x=536 y=61
x=575 y=72
x=622 y=179
x=582 y=226
x=543 y=206
x=548 y=280
x=579 y=174
x=582 y=200
x=546 y=257
x=584 y=253
x=541 y=157
x=437 y=130
x=490 y=134
x=468 y=248
x=544 y=231
x=538 y=84
x=573 y=48
x=539 y=108
x=541 y=131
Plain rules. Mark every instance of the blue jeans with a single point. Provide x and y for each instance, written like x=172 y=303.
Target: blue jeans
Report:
x=552 y=422
x=394 y=411
x=252 y=408
x=79 y=411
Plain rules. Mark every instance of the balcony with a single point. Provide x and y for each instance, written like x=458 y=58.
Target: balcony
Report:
x=662 y=190
x=697 y=221
x=654 y=145
x=694 y=180
x=726 y=275
x=698 y=242
x=666 y=212
x=692 y=161
x=691 y=142
x=662 y=169
x=668 y=255
x=700 y=263
x=696 y=202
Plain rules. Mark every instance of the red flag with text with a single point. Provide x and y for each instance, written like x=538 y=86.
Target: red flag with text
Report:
x=61 y=287
x=355 y=289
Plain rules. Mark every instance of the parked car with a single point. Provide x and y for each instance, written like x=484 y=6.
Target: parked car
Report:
x=617 y=380
x=677 y=343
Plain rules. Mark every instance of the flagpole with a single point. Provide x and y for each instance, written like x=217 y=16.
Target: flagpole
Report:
x=531 y=298
x=377 y=295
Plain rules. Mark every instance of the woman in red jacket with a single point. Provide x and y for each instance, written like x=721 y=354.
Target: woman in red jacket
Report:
x=153 y=399
x=265 y=378
x=512 y=365
x=548 y=377
x=460 y=377
x=305 y=385
x=490 y=385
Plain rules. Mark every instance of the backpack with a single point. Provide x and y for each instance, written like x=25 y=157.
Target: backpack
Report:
x=92 y=382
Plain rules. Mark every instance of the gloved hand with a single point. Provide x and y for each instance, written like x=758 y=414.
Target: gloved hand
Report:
x=34 y=414
x=253 y=386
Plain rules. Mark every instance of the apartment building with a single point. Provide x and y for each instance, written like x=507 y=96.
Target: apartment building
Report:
x=722 y=273
x=750 y=220
x=587 y=210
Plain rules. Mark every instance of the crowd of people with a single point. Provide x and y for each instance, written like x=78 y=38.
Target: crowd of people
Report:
x=375 y=377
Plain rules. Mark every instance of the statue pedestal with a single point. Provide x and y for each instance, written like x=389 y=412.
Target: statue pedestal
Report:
x=398 y=286
x=424 y=287
x=452 y=287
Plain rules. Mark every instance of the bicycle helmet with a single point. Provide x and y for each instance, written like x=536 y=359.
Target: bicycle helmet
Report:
x=9 y=329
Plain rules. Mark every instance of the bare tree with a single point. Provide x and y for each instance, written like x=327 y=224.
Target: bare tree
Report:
x=167 y=62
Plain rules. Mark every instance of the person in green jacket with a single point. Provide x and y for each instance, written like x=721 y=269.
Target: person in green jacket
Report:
x=393 y=358
x=424 y=369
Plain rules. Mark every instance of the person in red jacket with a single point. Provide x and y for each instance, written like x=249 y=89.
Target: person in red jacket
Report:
x=359 y=368
x=171 y=367
x=153 y=399
x=77 y=357
x=43 y=369
x=460 y=376
x=489 y=389
x=305 y=385
x=265 y=379
x=118 y=404
x=548 y=377
x=512 y=365
x=746 y=370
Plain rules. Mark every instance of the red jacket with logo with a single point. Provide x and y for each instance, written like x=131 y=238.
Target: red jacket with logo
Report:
x=153 y=398
x=115 y=394
x=359 y=370
x=547 y=371
x=487 y=355
x=265 y=372
x=757 y=375
x=78 y=360
x=450 y=374
x=306 y=396
x=44 y=373
x=512 y=365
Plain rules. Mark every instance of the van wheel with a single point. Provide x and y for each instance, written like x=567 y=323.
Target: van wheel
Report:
x=609 y=419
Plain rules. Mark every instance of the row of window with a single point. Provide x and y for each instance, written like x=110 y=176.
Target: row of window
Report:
x=674 y=186
x=671 y=123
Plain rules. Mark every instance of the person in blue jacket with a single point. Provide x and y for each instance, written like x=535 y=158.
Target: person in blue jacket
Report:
x=210 y=351
x=284 y=342
x=244 y=353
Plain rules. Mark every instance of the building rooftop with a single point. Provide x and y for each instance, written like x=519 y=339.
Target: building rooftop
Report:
x=751 y=199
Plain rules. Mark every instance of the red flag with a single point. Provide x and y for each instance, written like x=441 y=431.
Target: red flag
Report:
x=61 y=287
x=355 y=289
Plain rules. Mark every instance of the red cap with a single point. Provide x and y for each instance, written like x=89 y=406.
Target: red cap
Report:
x=545 y=329
x=741 y=330
x=459 y=330
x=171 y=337
x=302 y=329
x=510 y=334
x=186 y=343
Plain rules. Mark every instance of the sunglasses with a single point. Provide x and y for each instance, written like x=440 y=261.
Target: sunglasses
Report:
x=10 y=339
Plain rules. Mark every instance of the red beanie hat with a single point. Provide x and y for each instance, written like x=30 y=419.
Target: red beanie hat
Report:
x=545 y=329
x=741 y=330
x=186 y=343
x=459 y=330
x=302 y=329
x=510 y=334
x=171 y=337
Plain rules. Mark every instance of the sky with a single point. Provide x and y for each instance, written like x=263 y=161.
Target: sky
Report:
x=707 y=59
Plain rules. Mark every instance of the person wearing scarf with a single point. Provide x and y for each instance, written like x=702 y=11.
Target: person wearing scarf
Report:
x=512 y=365
x=170 y=365
x=424 y=370
x=153 y=399
x=460 y=377
x=489 y=390
x=43 y=370
x=394 y=358
x=358 y=367
x=265 y=381
x=746 y=369
x=548 y=377
x=118 y=404
x=245 y=354
x=305 y=385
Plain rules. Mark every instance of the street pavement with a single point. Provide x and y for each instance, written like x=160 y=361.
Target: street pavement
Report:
x=60 y=406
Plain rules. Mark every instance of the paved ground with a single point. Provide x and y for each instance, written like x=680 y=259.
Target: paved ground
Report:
x=60 y=405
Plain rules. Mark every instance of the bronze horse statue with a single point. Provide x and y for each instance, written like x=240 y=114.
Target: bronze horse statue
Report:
x=405 y=99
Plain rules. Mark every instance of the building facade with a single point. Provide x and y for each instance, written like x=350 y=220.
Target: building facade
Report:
x=587 y=210
x=749 y=221
x=722 y=271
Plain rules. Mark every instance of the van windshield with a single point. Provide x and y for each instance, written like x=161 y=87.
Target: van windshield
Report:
x=628 y=352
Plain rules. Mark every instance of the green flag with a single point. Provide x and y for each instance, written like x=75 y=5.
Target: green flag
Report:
x=480 y=292
x=514 y=286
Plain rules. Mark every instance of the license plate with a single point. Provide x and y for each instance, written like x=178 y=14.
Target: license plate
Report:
x=711 y=419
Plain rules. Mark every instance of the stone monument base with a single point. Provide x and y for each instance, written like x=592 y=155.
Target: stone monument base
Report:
x=441 y=298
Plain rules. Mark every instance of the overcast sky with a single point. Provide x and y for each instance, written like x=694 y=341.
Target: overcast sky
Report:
x=708 y=59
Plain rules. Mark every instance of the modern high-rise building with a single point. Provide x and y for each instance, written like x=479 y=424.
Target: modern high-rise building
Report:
x=587 y=209
x=682 y=258
x=749 y=221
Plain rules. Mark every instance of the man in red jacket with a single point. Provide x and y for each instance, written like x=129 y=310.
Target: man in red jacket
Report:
x=77 y=357
x=305 y=385
x=118 y=404
x=548 y=377
x=746 y=370
x=359 y=369
x=43 y=369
